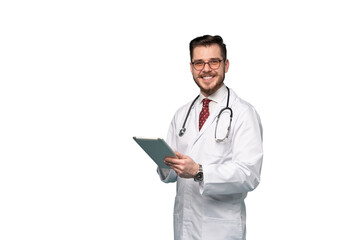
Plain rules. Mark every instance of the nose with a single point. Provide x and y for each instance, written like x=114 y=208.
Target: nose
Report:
x=207 y=67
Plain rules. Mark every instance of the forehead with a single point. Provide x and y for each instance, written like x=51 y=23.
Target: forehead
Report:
x=207 y=52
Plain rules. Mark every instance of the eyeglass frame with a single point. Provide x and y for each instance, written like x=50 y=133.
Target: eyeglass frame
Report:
x=208 y=62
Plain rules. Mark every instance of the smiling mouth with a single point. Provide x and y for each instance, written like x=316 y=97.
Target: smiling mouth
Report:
x=207 y=77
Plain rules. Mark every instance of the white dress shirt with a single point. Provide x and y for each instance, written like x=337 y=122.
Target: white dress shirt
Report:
x=215 y=98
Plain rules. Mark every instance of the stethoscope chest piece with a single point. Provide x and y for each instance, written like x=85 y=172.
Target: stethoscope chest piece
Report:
x=182 y=131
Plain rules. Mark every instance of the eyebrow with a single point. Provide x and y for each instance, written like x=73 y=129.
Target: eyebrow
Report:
x=196 y=60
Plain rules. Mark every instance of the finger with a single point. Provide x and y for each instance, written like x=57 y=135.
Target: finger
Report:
x=169 y=159
x=176 y=169
x=173 y=161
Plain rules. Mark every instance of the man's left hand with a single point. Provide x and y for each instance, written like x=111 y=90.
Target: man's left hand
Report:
x=183 y=165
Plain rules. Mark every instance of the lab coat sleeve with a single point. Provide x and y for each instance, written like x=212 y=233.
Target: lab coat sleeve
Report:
x=169 y=175
x=242 y=173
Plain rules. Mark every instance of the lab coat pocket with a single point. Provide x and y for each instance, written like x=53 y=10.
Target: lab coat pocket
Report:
x=215 y=229
x=217 y=152
x=226 y=207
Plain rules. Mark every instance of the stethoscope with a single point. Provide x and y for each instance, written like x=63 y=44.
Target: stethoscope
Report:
x=183 y=129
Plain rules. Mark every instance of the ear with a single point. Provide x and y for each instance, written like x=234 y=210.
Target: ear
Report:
x=191 y=68
x=227 y=64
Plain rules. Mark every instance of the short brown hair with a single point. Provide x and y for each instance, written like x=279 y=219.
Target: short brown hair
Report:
x=208 y=40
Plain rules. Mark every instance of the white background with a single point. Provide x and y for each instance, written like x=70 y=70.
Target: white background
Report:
x=80 y=78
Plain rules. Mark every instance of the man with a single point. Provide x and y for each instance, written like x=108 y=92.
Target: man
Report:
x=216 y=166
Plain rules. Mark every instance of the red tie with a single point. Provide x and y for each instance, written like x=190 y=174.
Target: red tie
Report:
x=204 y=114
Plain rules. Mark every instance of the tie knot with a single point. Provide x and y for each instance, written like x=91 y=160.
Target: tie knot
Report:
x=206 y=102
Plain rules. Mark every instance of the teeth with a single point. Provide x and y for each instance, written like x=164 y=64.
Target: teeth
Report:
x=206 y=78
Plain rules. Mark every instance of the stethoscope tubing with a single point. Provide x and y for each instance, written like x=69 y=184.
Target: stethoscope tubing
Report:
x=183 y=129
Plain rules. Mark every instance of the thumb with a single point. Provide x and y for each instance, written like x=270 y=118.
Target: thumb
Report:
x=179 y=155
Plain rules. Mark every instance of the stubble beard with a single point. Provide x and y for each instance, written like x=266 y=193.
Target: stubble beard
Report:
x=208 y=92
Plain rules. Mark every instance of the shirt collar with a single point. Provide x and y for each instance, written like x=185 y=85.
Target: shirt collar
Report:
x=216 y=96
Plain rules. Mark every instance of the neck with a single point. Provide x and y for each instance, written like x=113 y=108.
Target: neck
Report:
x=209 y=92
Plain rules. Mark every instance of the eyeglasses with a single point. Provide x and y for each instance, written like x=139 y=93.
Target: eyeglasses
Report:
x=213 y=64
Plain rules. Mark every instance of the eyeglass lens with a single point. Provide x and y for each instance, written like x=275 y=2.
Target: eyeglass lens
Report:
x=213 y=64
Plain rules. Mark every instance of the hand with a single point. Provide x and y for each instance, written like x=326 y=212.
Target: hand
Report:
x=183 y=165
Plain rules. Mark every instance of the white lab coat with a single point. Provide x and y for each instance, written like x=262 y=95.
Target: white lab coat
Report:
x=214 y=209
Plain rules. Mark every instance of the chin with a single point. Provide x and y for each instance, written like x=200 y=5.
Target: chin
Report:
x=208 y=88
x=208 y=91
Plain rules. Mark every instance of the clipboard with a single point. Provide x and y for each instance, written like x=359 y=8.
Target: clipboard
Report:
x=156 y=148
